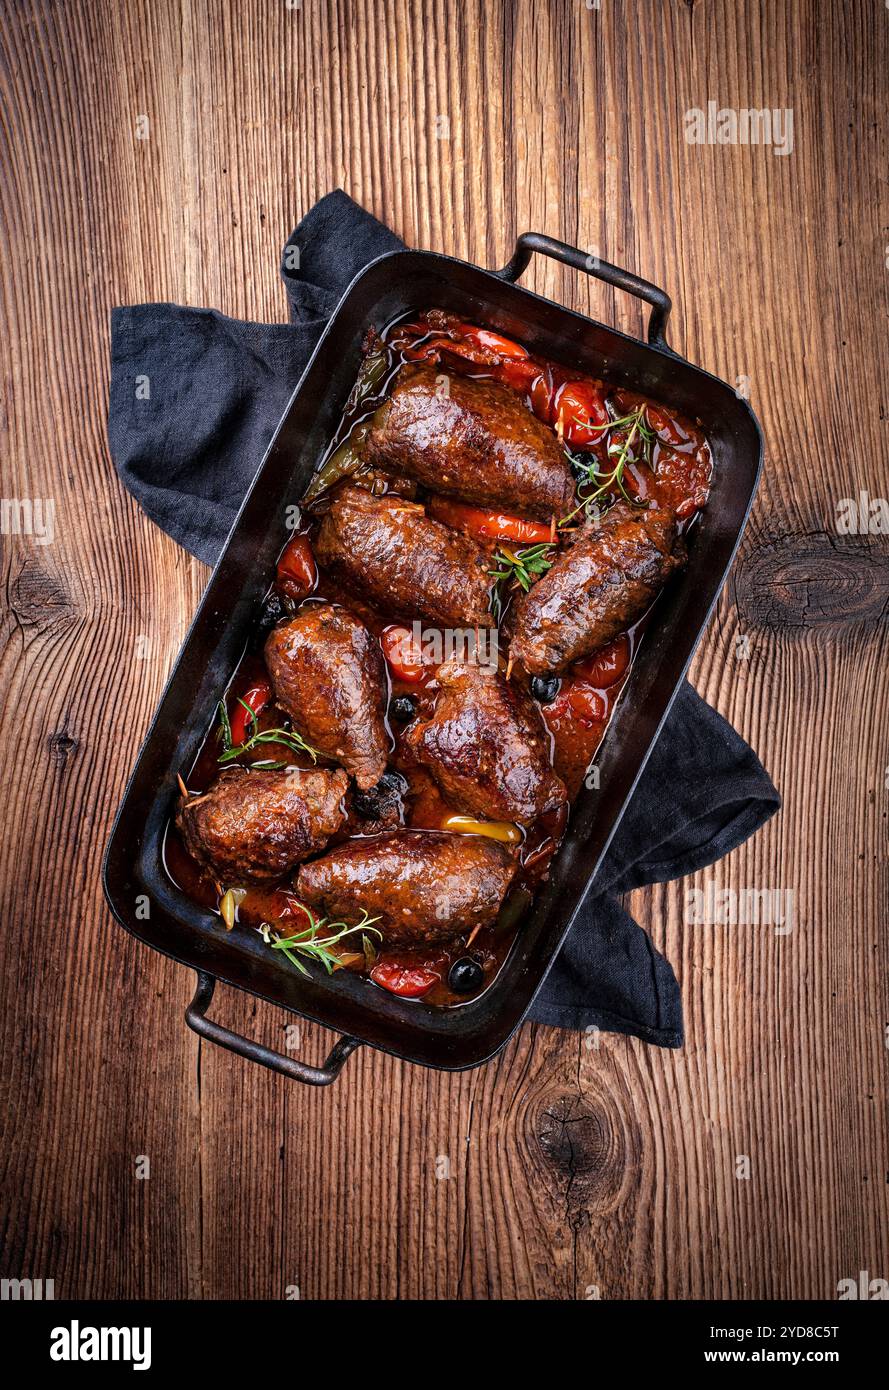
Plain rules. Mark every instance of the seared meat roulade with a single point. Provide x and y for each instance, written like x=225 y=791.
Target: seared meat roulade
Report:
x=473 y=440
x=251 y=826
x=329 y=675
x=597 y=588
x=487 y=747
x=404 y=561
x=424 y=885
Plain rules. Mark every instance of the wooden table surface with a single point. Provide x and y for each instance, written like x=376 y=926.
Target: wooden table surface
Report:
x=574 y=1171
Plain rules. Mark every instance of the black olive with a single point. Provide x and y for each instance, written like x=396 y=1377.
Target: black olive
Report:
x=382 y=802
x=271 y=611
x=466 y=975
x=403 y=709
x=545 y=688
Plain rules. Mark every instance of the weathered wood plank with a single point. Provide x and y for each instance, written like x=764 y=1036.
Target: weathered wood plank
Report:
x=560 y=1170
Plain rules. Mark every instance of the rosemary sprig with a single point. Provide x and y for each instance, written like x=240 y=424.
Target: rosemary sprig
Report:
x=288 y=737
x=311 y=944
x=610 y=480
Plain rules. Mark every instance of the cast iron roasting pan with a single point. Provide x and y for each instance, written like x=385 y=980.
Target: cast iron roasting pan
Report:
x=471 y=1033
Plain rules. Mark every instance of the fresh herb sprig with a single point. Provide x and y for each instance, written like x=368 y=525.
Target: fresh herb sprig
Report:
x=521 y=567
x=605 y=481
x=312 y=945
x=286 y=737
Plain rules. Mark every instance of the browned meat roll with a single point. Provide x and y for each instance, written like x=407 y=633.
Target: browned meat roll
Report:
x=474 y=440
x=597 y=589
x=487 y=747
x=404 y=561
x=251 y=826
x=424 y=886
x=329 y=675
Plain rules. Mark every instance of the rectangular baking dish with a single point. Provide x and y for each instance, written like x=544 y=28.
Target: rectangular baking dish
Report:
x=140 y=894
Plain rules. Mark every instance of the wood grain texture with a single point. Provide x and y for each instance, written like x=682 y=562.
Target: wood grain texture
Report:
x=560 y=1170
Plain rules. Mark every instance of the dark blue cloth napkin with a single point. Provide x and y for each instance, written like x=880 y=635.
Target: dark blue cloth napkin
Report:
x=195 y=399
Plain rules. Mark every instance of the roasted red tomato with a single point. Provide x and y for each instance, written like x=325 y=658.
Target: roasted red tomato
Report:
x=488 y=525
x=587 y=703
x=576 y=703
x=407 y=981
x=519 y=374
x=257 y=696
x=664 y=425
x=297 y=572
x=491 y=342
x=579 y=406
x=542 y=393
x=404 y=654
x=607 y=665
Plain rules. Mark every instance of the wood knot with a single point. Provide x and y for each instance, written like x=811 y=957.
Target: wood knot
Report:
x=39 y=597
x=580 y=1150
x=61 y=746
x=812 y=581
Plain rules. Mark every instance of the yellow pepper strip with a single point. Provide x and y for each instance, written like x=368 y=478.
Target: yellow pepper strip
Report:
x=494 y=829
x=229 y=904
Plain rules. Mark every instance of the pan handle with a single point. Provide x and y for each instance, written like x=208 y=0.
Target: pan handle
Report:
x=660 y=301
x=195 y=1017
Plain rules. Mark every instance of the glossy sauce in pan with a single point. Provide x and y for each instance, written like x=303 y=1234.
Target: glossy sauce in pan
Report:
x=578 y=705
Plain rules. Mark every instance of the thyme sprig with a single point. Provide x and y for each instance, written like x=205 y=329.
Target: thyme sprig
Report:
x=521 y=567
x=603 y=482
x=312 y=945
x=287 y=737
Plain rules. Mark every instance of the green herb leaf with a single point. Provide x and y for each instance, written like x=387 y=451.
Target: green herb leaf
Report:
x=288 y=738
x=521 y=567
x=595 y=483
x=312 y=945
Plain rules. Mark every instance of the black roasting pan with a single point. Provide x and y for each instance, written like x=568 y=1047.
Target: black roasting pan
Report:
x=139 y=892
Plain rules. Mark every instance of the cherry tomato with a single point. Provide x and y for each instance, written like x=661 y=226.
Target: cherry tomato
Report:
x=407 y=981
x=488 y=525
x=664 y=425
x=542 y=397
x=587 y=703
x=607 y=665
x=492 y=342
x=404 y=654
x=297 y=572
x=257 y=696
x=577 y=703
x=579 y=406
